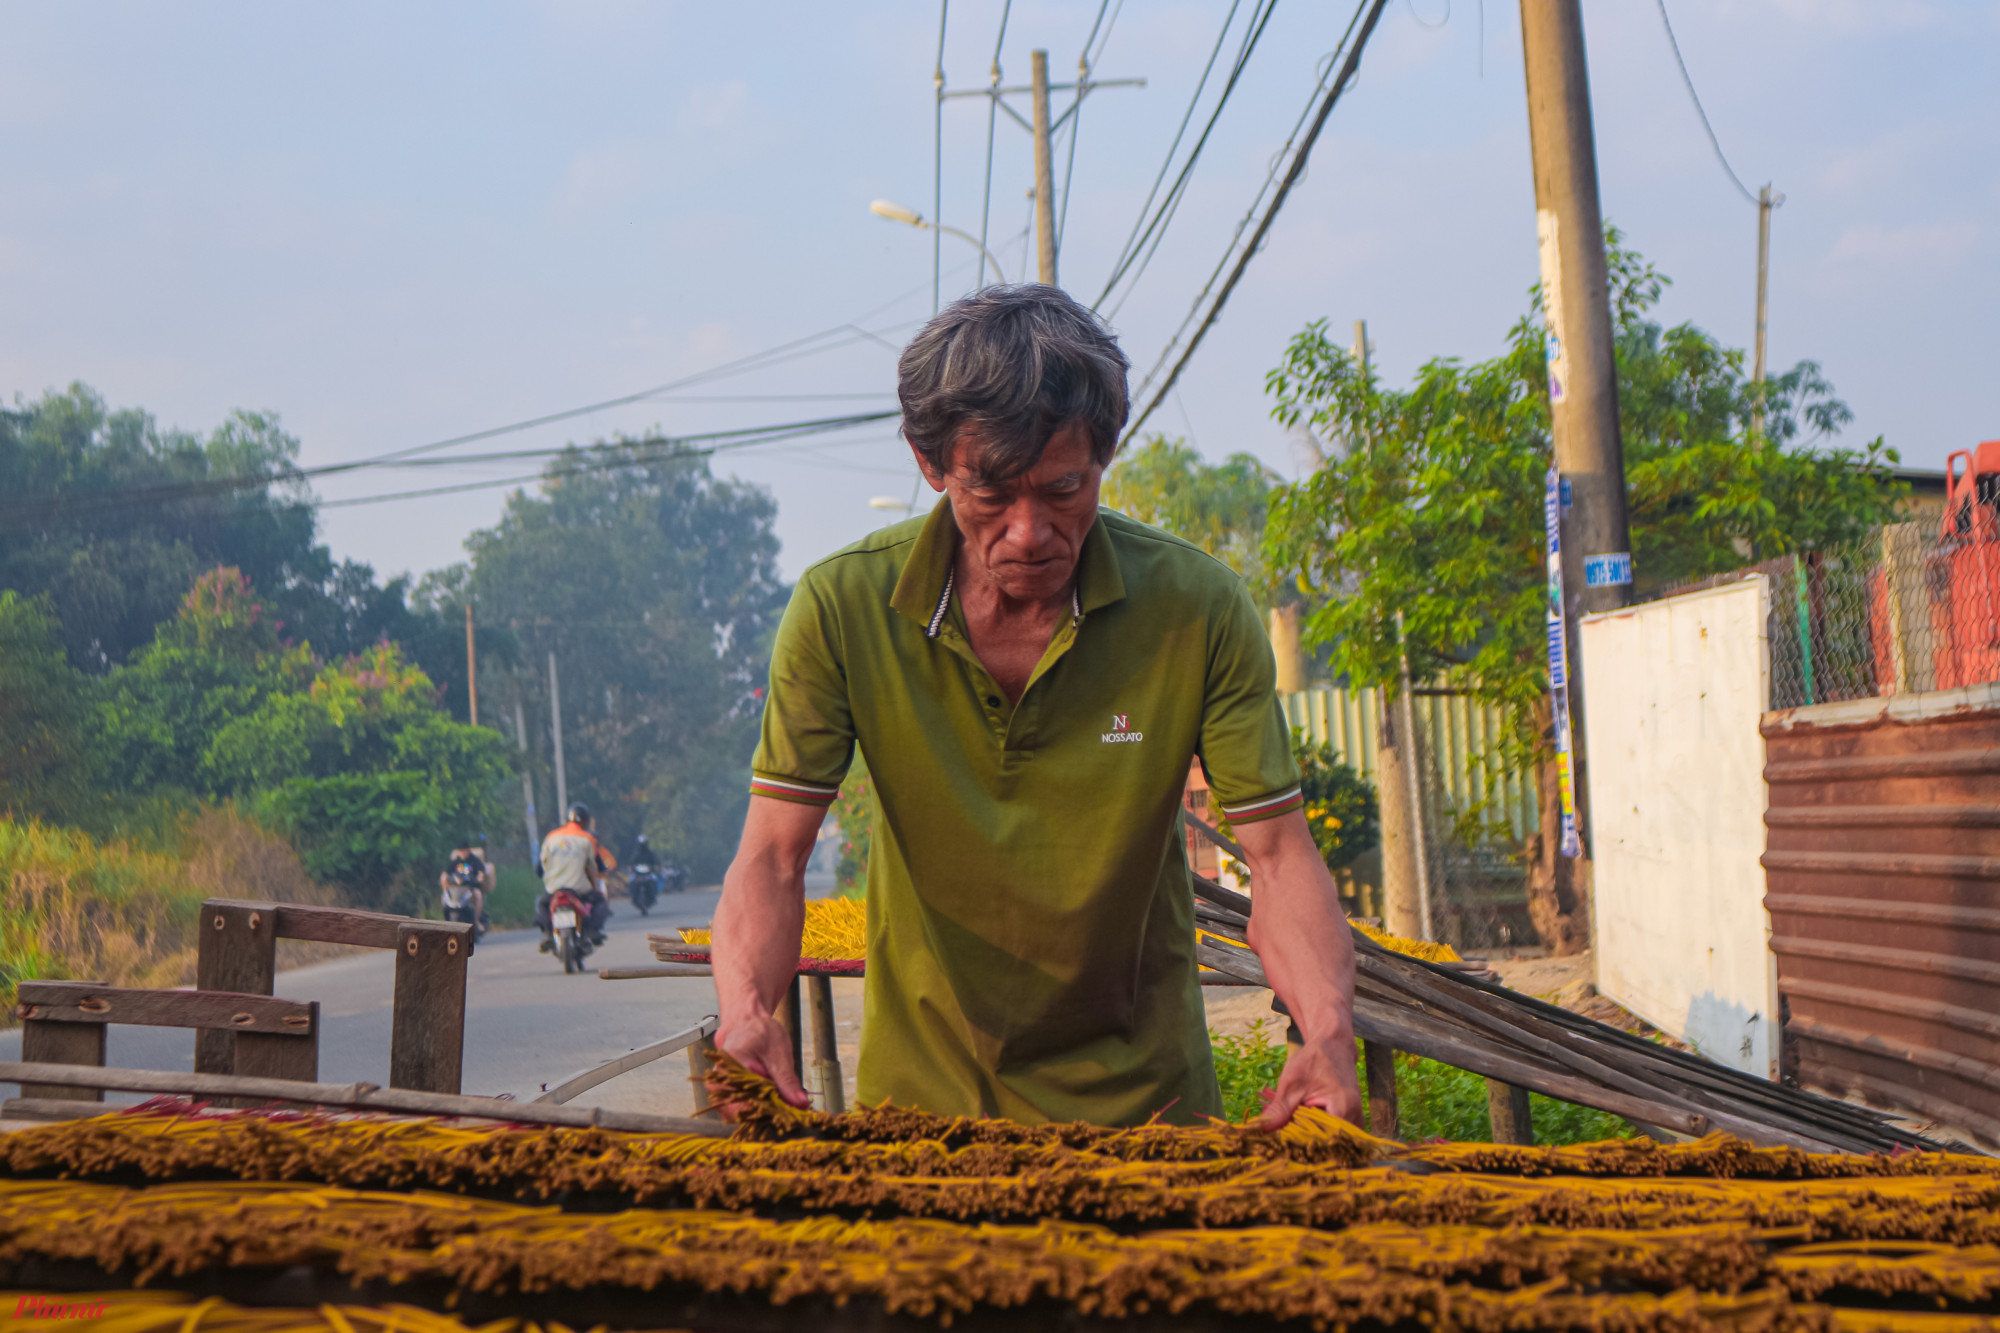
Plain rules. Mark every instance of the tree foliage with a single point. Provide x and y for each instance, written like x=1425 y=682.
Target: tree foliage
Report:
x=42 y=709
x=1436 y=512
x=1425 y=536
x=112 y=518
x=655 y=584
x=1218 y=507
x=352 y=758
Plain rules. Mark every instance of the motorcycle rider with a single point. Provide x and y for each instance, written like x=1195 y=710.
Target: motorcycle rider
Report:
x=468 y=866
x=573 y=859
x=643 y=855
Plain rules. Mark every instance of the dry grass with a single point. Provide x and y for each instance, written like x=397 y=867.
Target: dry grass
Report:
x=74 y=907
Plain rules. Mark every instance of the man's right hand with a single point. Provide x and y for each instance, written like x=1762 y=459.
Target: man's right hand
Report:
x=754 y=947
x=761 y=1045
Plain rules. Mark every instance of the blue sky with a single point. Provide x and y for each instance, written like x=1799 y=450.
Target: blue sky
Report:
x=394 y=223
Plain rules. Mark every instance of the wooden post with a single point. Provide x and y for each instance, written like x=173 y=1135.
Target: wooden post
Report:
x=826 y=1045
x=238 y=952
x=427 y=1041
x=53 y=1043
x=1507 y=1105
x=1384 y=1117
x=701 y=1058
x=790 y=1018
x=274 y=1055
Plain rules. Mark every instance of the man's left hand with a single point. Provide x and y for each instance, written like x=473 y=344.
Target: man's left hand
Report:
x=1321 y=1074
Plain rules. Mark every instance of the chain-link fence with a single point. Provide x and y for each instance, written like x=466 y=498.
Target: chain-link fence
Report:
x=1472 y=847
x=1902 y=611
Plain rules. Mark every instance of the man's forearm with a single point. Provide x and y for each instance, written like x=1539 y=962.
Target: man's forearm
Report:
x=1301 y=937
x=758 y=925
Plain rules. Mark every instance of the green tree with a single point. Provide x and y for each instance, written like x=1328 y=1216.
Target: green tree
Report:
x=113 y=517
x=369 y=777
x=1218 y=507
x=1437 y=514
x=655 y=584
x=44 y=762
x=215 y=662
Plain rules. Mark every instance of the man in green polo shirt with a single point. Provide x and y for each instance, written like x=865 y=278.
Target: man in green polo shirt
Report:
x=1029 y=676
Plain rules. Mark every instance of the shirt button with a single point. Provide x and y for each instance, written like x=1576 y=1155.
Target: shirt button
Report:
x=992 y=701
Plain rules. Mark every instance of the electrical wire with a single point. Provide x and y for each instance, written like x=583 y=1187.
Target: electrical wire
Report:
x=1431 y=26
x=1076 y=116
x=1699 y=110
x=992 y=116
x=63 y=508
x=1187 y=118
x=1155 y=231
x=937 y=163
x=621 y=454
x=1256 y=241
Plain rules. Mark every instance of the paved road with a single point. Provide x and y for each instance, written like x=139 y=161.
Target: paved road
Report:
x=526 y=1023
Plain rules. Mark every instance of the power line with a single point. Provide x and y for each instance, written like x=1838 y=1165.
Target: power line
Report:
x=1187 y=117
x=1156 y=230
x=1256 y=241
x=581 y=468
x=1699 y=110
x=937 y=163
x=66 y=507
x=992 y=117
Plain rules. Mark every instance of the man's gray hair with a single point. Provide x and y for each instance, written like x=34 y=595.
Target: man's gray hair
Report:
x=1015 y=364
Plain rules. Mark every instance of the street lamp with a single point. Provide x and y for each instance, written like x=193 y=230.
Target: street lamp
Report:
x=882 y=208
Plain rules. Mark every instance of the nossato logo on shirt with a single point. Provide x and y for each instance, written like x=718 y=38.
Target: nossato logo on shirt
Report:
x=1121 y=730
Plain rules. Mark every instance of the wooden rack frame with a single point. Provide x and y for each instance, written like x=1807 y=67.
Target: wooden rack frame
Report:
x=238 y=954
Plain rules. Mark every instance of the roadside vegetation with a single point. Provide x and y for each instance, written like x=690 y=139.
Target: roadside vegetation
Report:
x=123 y=911
x=1433 y=1101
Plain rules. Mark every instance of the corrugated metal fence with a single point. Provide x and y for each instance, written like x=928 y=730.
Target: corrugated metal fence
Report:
x=1882 y=877
x=1463 y=737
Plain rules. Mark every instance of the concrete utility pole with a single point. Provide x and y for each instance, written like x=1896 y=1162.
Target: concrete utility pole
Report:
x=1583 y=386
x=1045 y=172
x=1042 y=127
x=1398 y=789
x=471 y=670
x=1766 y=201
x=555 y=730
x=1596 y=562
x=527 y=783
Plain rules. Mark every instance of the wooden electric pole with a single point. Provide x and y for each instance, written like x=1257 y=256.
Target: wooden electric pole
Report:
x=1583 y=384
x=471 y=670
x=1045 y=172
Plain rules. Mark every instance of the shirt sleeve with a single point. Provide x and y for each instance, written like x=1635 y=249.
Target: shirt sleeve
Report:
x=1246 y=745
x=808 y=731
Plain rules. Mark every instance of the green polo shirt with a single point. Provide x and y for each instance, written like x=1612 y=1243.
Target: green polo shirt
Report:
x=1030 y=923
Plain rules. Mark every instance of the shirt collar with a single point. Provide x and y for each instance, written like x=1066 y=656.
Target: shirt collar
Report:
x=924 y=589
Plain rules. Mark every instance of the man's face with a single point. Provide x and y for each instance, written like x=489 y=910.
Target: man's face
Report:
x=1025 y=534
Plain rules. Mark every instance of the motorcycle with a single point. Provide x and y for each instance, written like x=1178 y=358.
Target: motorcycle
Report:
x=567 y=915
x=644 y=889
x=677 y=880
x=461 y=905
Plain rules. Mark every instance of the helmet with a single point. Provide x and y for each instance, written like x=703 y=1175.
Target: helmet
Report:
x=642 y=840
x=579 y=813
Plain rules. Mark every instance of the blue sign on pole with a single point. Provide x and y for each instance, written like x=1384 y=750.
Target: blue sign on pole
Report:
x=1558 y=627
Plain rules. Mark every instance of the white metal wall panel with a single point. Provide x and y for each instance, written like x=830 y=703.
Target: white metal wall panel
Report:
x=1673 y=694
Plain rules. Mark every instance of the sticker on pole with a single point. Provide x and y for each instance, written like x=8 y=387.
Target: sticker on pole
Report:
x=1606 y=571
